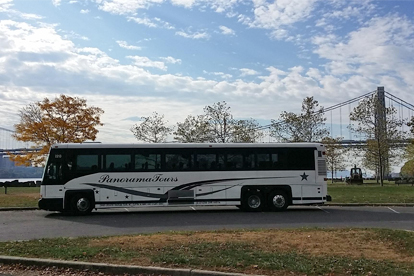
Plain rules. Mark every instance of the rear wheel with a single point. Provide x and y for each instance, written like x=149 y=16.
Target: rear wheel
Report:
x=81 y=204
x=278 y=201
x=252 y=201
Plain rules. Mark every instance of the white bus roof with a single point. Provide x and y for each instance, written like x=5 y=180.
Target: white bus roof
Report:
x=184 y=145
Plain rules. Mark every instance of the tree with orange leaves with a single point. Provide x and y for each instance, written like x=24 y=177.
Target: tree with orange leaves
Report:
x=64 y=120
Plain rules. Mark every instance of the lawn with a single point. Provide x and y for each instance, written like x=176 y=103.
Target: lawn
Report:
x=368 y=193
x=269 y=252
x=19 y=197
x=371 y=192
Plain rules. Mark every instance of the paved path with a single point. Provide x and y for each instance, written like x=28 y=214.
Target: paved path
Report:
x=35 y=224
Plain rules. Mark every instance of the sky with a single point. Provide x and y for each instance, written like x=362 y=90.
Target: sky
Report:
x=135 y=57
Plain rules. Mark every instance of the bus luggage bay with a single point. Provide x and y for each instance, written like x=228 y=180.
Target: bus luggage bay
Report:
x=255 y=177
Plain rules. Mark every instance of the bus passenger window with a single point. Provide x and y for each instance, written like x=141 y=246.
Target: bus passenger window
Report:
x=87 y=163
x=234 y=161
x=147 y=162
x=117 y=162
x=178 y=162
x=263 y=161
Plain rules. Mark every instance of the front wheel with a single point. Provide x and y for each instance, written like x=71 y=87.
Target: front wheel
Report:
x=278 y=201
x=252 y=201
x=81 y=204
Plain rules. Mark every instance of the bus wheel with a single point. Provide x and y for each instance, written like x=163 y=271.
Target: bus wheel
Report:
x=81 y=204
x=278 y=201
x=253 y=201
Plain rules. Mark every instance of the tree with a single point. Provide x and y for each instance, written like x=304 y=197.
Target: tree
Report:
x=193 y=130
x=307 y=126
x=152 y=129
x=246 y=131
x=220 y=121
x=64 y=120
x=381 y=128
x=224 y=128
x=411 y=125
x=335 y=155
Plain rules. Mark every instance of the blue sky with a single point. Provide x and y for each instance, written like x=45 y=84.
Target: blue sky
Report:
x=134 y=57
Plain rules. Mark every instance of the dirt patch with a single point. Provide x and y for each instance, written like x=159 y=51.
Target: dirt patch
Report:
x=349 y=243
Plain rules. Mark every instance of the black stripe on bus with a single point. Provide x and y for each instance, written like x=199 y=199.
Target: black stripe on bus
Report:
x=308 y=198
x=156 y=201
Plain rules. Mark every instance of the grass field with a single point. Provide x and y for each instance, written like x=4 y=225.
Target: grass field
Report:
x=370 y=192
x=19 y=197
x=269 y=252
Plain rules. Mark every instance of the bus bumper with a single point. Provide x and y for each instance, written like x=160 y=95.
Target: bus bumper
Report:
x=51 y=204
x=328 y=198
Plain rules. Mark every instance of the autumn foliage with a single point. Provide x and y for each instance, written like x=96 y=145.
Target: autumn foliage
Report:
x=64 y=120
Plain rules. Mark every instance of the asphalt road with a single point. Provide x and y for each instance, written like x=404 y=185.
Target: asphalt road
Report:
x=25 y=225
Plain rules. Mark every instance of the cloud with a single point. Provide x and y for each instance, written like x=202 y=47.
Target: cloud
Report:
x=123 y=7
x=152 y=23
x=279 y=13
x=184 y=3
x=227 y=31
x=171 y=60
x=146 y=62
x=56 y=3
x=196 y=35
x=248 y=72
x=384 y=45
x=84 y=11
x=125 y=45
x=220 y=74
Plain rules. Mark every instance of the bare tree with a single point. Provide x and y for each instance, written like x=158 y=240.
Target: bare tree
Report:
x=193 y=130
x=335 y=154
x=220 y=121
x=308 y=126
x=381 y=128
x=152 y=129
x=246 y=131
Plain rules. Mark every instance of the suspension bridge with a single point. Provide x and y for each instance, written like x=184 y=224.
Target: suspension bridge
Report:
x=337 y=121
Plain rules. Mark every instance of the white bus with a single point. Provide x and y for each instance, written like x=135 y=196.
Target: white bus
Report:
x=253 y=177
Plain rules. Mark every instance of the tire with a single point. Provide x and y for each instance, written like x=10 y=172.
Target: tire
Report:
x=81 y=204
x=278 y=201
x=253 y=201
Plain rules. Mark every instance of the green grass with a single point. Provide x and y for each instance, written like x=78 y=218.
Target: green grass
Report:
x=232 y=254
x=19 y=197
x=371 y=192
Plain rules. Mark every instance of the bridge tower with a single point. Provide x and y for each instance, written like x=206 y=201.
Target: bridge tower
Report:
x=381 y=123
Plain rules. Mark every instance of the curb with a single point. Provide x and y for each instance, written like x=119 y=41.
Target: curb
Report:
x=18 y=208
x=326 y=204
x=114 y=269
x=370 y=204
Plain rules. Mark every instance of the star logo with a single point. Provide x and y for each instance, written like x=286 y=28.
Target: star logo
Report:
x=304 y=176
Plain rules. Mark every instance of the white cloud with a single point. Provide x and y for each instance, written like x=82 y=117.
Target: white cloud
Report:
x=146 y=62
x=152 y=23
x=125 y=45
x=279 y=13
x=196 y=35
x=171 y=60
x=125 y=6
x=383 y=46
x=84 y=11
x=184 y=3
x=248 y=72
x=56 y=2
x=219 y=74
x=227 y=31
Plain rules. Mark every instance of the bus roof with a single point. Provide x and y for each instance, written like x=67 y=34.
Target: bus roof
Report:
x=185 y=145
